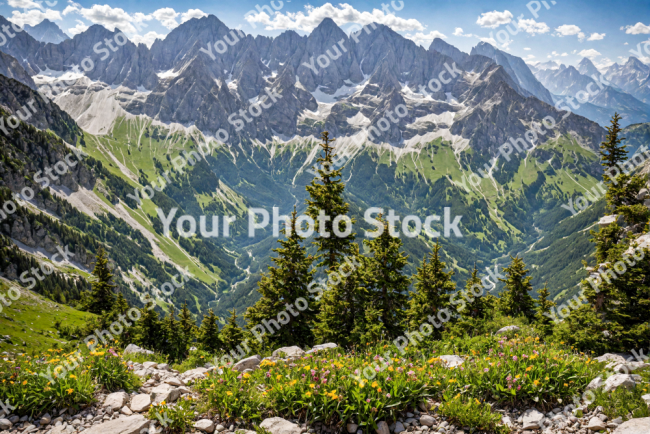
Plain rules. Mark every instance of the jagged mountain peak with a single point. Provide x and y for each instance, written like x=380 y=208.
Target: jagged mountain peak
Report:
x=46 y=31
x=449 y=50
x=587 y=67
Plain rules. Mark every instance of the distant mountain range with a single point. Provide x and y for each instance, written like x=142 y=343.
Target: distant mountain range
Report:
x=414 y=123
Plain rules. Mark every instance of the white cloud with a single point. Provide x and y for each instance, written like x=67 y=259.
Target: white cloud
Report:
x=494 y=19
x=343 y=14
x=24 y=4
x=567 y=30
x=590 y=53
x=626 y=43
x=147 y=39
x=422 y=39
x=459 y=32
x=192 y=13
x=527 y=49
x=79 y=28
x=34 y=16
x=529 y=57
x=596 y=37
x=72 y=7
x=531 y=26
x=637 y=29
x=110 y=18
x=564 y=54
x=167 y=17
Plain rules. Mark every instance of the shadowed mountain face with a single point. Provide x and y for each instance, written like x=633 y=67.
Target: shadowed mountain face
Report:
x=46 y=31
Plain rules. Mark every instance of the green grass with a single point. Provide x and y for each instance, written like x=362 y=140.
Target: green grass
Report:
x=31 y=318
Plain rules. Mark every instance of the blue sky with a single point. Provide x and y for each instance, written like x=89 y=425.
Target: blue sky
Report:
x=565 y=31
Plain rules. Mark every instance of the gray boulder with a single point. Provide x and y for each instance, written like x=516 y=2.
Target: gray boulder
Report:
x=634 y=426
x=5 y=424
x=289 y=352
x=452 y=361
x=322 y=347
x=506 y=329
x=382 y=428
x=619 y=380
x=166 y=393
x=205 y=425
x=596 y=383
x=596 y=424
x=140 y=403
x=116 y=400
x=134 y=349
x=252 y=362
x=277 y=425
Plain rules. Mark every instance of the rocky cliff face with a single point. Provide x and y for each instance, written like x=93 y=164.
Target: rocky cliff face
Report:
x=11 y=68
x=516 y=68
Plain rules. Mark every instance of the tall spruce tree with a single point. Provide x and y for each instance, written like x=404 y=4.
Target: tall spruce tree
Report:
x=208 y=335
x=326 y=197
x=389 y=283
x=342 y=314
x=121 y=305
x=433 y=289
x=283 y=288
x=101 y=298
x=516 y=300
x=231 y=334
x=543 y=316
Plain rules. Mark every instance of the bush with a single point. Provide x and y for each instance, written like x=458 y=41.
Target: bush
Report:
x=472 y=413
x=174 y=418
x=108 y=369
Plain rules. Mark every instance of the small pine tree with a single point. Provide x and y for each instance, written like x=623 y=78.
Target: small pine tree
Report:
x=175 y=344
x=101 y=298
x=543 y=317
x=433 y=289
x=612 y=150
x=516 y=300
x=231 y=334
x=121 y=305
x=476 y=303
x=390 y=285
x=208 y=335
x=188 y=324
x=285 y=283
x=326 y=195
x=370 y=328
x=148 y=330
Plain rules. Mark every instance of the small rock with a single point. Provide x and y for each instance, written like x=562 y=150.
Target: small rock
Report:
x=220 y=428
x=382 y=428
x=46 y=419
x=140 y=403
x=116 y=400
x=352 y=428
x=132 y=348
x=399 y=427
x=595 y=424
x=205 y=425
x=126 y=410
x=5 y=424
x=173 y=381
x=596 y=383
x=150 y=365
x=427 y=420
x=452 y=361
x=277 y=425
x=532 y=419
x=163 y=367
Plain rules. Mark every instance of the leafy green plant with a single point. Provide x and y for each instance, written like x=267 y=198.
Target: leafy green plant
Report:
x=109 y=370
x=623 y=402
x=472 y=413
x=174 y=418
